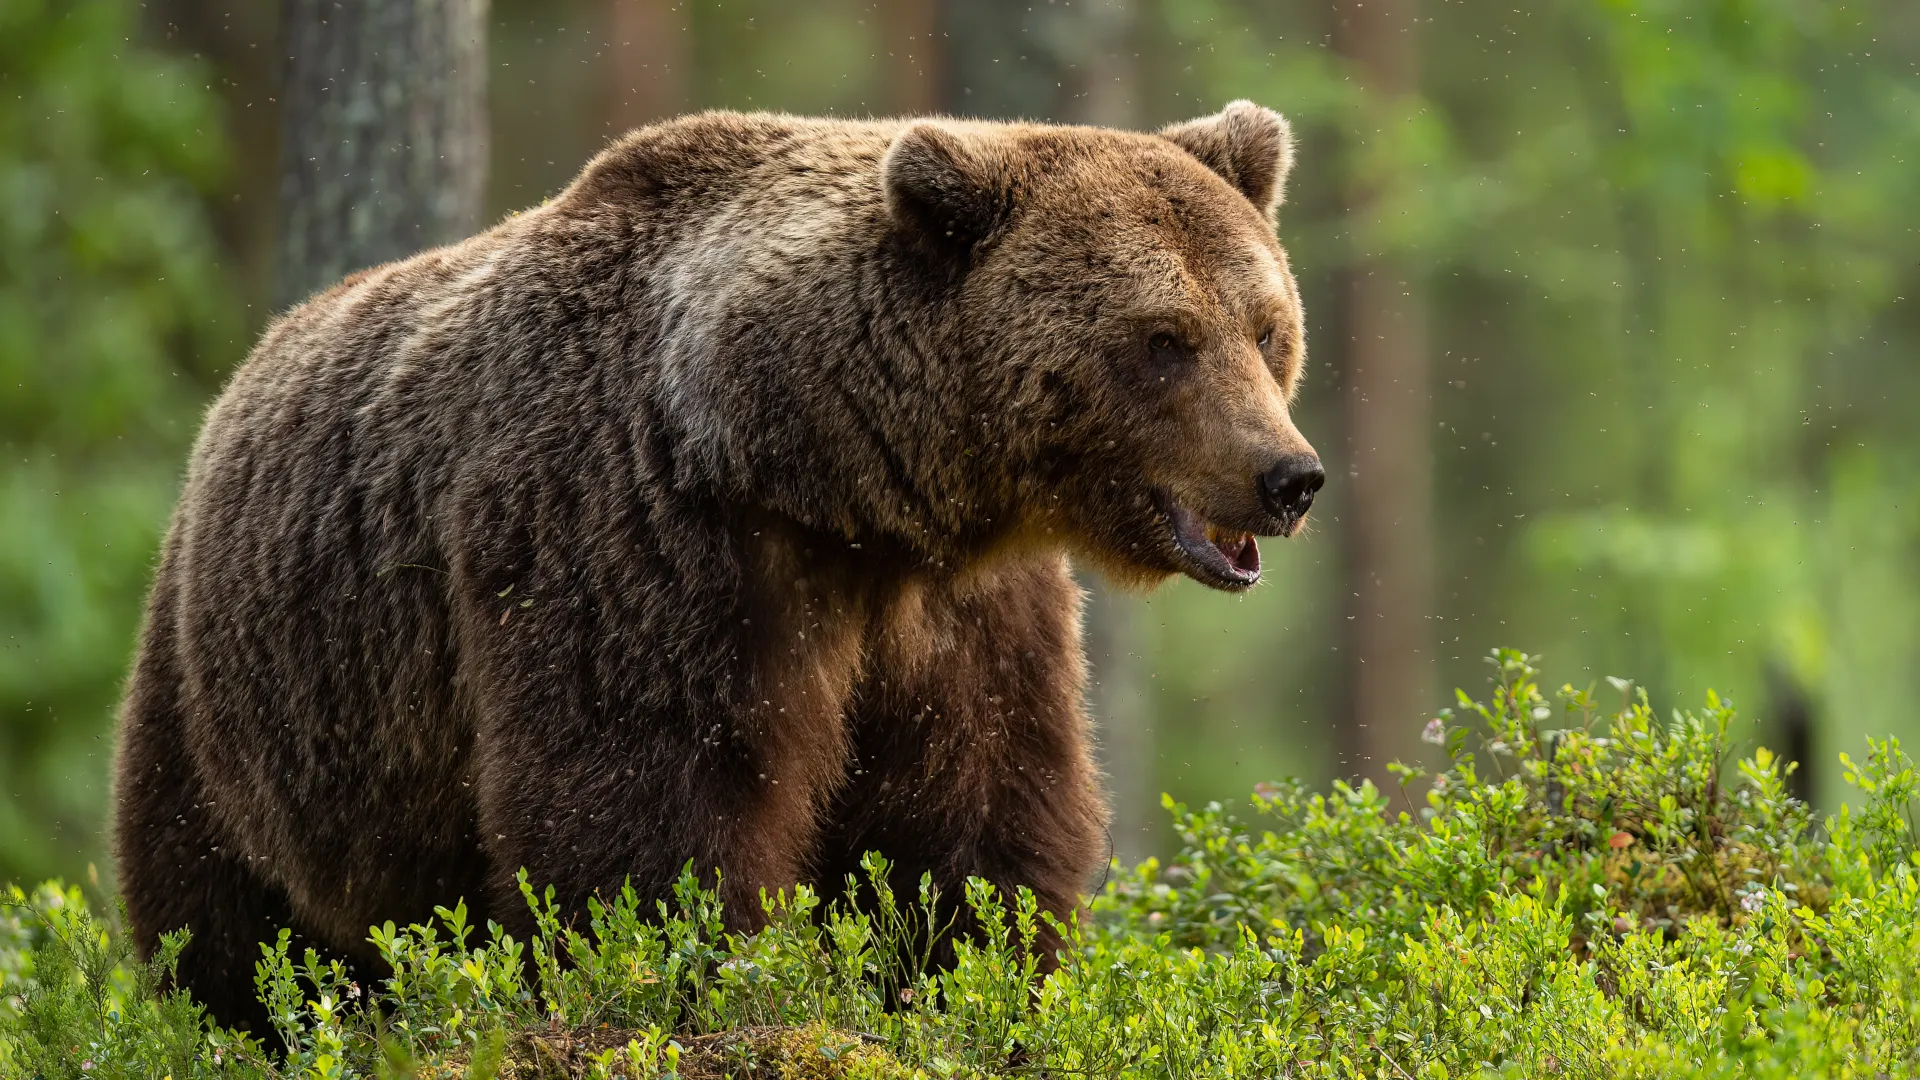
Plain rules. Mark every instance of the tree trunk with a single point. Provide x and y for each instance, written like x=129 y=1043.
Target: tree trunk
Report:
x=911 y=29
x=1009 y=59
x=1005 y=59
x=1389 y=516
x=1107 y=77
x=648 y=51
x=383 y=133
x=1123 y=717
x=1104 y=86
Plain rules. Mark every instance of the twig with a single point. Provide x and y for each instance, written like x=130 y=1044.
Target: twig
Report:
x=1390 y=1061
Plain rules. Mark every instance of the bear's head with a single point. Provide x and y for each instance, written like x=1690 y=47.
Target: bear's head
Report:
x=1131 y=329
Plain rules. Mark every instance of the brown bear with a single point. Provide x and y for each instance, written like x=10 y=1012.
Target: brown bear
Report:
x=717 y=510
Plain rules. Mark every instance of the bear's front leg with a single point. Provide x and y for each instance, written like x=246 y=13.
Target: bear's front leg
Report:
x=971 y=748
x=631 y=726
x=587 y=815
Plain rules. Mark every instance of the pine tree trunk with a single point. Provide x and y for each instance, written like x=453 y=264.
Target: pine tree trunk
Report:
x=1105 y=82
x=1006 y=59
x=1389 y=515
x=1070 y=63
x=911 y=31
x=383 y=133
x=648 y=56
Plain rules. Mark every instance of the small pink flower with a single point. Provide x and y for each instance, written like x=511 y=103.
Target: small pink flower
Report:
x=1435 y=732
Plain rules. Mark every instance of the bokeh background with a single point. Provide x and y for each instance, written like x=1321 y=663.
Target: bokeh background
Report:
x=1612 y=339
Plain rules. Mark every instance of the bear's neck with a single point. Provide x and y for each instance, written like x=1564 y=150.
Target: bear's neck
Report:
x=848 y=410
x=802 y=358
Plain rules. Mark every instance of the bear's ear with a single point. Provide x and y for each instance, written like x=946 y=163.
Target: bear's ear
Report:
x=942 y=189
x=1250 y=146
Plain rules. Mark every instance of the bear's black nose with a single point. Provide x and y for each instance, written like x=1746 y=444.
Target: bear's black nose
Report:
x=1287 y=488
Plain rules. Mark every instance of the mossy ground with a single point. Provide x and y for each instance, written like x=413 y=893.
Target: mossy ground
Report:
x=763 y=1053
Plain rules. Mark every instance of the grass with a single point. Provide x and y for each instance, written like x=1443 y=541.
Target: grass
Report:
x=1587 y=890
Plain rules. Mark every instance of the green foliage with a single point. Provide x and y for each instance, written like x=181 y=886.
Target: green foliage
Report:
x=80 y=1006
x=1584 y=891
x=1665 y=246
x=114 y=318
x=1633 y=817
x=1605 y=900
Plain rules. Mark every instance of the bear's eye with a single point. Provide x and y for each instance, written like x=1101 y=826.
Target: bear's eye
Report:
x=1165 y=346
x=1266 y=337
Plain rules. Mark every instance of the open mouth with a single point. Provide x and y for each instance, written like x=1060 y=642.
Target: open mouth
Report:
x=1223 y=558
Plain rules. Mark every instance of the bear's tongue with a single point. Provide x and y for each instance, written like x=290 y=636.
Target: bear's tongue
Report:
x=1242 y=551
x=1225 y=558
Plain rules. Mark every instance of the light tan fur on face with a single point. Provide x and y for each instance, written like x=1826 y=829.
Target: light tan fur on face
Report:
x=1130 y=236
x=1237 y=413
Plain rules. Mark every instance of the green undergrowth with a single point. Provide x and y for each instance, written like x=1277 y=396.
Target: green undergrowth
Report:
x=1587 y=890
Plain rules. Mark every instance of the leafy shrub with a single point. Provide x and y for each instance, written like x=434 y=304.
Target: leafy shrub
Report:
x=1614 y=897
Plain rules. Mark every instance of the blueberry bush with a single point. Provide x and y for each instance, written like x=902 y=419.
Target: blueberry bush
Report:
x=1587 y=890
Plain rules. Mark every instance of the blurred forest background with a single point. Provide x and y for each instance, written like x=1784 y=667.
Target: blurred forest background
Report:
x=1612 y=352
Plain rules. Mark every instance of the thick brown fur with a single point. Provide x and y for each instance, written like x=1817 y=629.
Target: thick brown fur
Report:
x=717 y=511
